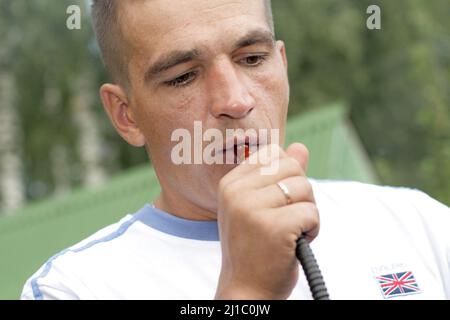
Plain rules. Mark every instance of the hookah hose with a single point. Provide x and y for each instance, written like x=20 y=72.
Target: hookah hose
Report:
x=311 y=268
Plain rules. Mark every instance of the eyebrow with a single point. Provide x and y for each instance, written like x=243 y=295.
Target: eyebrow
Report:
x=170 y=60
x=258 y=36
x=177 y=57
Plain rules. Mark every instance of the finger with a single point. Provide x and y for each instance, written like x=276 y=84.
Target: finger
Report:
x=300 y=190
x=278 y=170
x=301 y=219
x=300 y=153
x=262 y=157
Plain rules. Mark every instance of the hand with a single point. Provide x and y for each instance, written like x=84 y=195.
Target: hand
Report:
x=258 y=230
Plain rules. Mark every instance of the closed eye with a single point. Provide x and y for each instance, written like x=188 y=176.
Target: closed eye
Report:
x=182 y=80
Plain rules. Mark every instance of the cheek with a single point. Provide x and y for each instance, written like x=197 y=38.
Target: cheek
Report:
x=160 y=117
x=188 y=106
x=278 y=82
x=272 y=92
x=178 y=106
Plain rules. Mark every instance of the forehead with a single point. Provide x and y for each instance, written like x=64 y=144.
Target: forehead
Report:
x=152 y=26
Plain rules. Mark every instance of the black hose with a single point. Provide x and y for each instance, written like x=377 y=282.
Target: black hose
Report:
x=311 y=268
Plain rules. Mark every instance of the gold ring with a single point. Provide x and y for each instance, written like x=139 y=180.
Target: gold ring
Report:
x=285 y=192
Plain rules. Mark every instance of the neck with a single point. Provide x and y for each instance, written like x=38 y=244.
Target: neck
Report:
x=179 y=206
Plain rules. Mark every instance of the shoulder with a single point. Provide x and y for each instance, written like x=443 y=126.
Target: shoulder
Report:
x=345 y=190
x=383 y=201
x=60 y=277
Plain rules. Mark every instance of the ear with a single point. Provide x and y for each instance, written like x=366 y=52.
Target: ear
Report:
x=116 y=105
x=282 y=49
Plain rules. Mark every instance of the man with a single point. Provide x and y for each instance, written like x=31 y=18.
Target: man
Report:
x=215 y=62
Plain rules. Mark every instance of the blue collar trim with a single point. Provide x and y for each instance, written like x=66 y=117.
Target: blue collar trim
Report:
x=175 y=226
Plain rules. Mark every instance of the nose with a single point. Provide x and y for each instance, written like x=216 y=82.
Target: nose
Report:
x=228 y=92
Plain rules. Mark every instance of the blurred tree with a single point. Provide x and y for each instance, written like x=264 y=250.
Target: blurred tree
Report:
x=396 y=80
x=89 y=140
x=11 y=165
x=405 y=113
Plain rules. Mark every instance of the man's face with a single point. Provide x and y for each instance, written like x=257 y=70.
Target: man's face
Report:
x=201 y=60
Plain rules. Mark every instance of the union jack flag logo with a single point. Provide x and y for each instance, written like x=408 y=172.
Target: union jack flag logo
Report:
x=398 y=284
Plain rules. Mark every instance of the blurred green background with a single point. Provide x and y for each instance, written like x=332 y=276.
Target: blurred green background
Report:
x=55 y=137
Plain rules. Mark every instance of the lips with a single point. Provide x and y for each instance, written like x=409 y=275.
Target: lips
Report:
x=236 y=149
x=237 y=142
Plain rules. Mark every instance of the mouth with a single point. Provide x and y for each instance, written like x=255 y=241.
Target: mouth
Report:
x=237 y=149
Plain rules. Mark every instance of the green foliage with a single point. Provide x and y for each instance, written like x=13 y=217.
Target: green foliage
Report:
x=46 y=59
x=396 y=80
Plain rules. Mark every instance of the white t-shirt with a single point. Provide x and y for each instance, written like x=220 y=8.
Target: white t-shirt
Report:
x=374 y=243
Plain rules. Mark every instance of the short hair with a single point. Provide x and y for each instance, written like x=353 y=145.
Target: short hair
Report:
x=112 y=43
x=110 y=38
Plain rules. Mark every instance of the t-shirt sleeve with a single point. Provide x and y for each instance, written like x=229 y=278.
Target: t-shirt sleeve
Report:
x=439 y=214
x=436 y=217
x=50 y=283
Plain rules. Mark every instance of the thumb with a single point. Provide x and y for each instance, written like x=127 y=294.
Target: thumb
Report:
x=300 y=153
